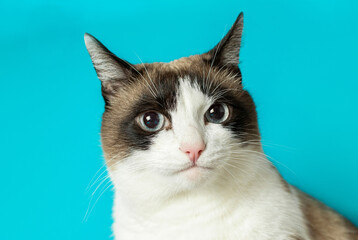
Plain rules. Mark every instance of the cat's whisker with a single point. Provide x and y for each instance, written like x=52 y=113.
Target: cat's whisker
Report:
x=145 y=68
x=268 y=142
x=107 y=165
x=235 y=180
x=222 y=69
x=98 y=179
x=103 y=179
x=94 y=176
x=148 y=84
x=91 y=199
x=233 y=78
x=244 y=166
x=89 y=211
x=265 y=156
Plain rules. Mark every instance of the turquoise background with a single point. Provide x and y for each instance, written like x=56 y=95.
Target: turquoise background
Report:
x=299 y=61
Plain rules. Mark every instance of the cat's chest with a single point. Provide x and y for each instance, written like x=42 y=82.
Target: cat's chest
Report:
x=206 y=220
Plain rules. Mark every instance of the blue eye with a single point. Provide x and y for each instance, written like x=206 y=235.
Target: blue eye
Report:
x=217 y=113
x=151 y=121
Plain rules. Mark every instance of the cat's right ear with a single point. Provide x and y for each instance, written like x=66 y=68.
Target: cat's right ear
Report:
x=111 y=70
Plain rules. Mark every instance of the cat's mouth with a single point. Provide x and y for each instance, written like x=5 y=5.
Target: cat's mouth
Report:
x=194 y=167
x=194 y=172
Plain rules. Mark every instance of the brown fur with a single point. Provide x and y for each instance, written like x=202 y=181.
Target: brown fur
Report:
x=295 y=238
x=324 y=223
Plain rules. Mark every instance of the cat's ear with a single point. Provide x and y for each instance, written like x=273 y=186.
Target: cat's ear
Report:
x=111 y=70
x=226 y=52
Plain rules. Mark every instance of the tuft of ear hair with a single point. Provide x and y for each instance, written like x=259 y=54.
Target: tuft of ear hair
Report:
x=226 y=52
x=111 y=70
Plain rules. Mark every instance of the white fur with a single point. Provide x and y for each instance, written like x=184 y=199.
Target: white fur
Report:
x=240 y=198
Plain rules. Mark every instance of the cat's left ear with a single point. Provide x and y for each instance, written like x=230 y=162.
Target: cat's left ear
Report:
x=226 y=52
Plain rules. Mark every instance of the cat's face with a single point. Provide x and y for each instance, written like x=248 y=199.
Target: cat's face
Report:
x=181 y=124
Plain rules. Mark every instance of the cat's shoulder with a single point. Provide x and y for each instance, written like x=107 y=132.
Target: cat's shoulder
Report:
x=323 y=222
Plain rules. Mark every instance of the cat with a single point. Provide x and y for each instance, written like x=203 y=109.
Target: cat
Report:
x=182 y=147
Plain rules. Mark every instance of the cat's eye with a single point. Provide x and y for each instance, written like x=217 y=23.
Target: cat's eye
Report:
x=151 y=121
x=217 y=113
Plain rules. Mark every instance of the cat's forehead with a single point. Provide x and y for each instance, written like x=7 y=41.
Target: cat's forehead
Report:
x=160 y=81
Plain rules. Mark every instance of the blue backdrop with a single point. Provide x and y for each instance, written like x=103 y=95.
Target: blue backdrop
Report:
x=299 y=61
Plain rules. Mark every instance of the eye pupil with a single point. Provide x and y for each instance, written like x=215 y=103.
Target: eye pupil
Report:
x=217 y=112
x=151 y=119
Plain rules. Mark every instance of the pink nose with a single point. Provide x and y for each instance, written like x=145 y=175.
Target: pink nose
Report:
x=193 y=150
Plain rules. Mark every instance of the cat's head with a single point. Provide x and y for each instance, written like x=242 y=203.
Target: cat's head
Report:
x=178 y=125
